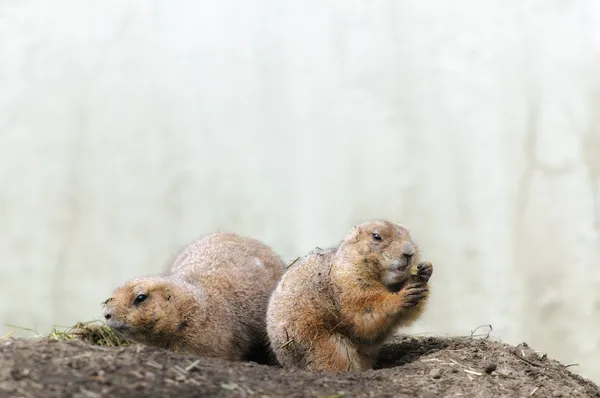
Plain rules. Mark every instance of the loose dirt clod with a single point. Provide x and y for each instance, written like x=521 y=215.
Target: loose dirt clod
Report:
x=435 y=373
x=490 y=368
x=67 y=366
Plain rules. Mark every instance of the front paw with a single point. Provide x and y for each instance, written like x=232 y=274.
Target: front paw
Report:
x=424 y=271
x=414 y=294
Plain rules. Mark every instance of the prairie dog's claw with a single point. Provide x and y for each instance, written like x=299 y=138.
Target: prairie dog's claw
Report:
x=414 y=294
x=423 y=271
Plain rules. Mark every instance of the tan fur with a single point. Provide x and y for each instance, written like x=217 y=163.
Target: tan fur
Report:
x=332 y=310
x=211 y=302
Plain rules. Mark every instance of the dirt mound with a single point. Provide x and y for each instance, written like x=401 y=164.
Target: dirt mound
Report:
x=408 y=367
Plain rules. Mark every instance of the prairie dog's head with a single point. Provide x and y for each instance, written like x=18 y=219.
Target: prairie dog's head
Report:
x=383 y=250
x=147 y=310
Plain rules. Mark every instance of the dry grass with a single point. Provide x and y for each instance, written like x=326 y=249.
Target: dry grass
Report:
x=93 y=332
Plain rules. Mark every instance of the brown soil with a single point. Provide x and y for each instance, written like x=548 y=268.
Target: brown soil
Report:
x=408 y=367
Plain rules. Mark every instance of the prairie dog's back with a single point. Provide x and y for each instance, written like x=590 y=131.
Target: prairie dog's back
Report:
x=227 y=253
x=293 y=317
x=238 y=273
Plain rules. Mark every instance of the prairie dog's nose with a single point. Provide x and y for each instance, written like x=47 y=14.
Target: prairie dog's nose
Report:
x=408 y=249
x=107 y=314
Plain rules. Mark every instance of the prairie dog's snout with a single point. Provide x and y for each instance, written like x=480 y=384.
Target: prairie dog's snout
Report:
x=108 y=310
x=408 y=251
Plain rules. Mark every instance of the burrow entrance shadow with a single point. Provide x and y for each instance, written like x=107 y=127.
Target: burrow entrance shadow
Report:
x=403 y=350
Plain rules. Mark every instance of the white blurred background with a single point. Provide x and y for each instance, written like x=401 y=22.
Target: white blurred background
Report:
x=129 y=128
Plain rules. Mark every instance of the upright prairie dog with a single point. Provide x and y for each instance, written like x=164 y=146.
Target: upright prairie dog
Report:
x=211 y=302
x=332 y=310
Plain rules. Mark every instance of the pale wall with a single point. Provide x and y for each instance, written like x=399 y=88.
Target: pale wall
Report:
x=129 y=128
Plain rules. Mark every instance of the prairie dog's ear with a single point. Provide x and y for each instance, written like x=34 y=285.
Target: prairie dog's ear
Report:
x=166 y=293
x=353 y=235
x=402 y=230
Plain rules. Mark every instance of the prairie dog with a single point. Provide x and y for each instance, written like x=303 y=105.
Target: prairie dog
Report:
x=211 y=302
x=332 y=310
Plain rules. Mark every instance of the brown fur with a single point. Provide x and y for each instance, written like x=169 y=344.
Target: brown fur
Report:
x=332 y=310
x=211 y=302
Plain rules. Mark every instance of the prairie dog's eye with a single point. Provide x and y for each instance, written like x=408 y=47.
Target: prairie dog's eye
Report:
x=140 y=298
x=376 y=236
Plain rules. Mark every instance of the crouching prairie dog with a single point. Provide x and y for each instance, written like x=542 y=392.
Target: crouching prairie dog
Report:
x=211 y=301
x=332 y=310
